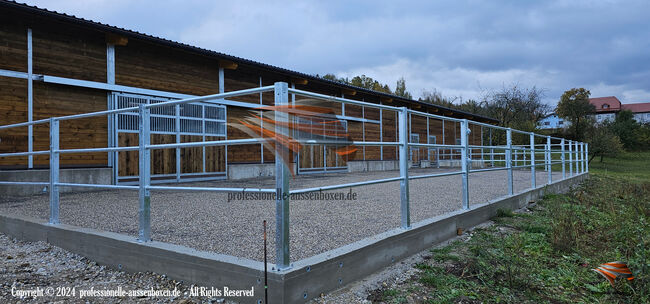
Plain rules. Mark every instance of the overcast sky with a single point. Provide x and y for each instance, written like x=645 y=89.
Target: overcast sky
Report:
x=459 y=48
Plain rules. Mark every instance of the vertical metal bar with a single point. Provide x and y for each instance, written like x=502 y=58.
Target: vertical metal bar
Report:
x=464 y=131
x=577 y=156
x=381 y=132
x=549 y=161
x=363 y=129
x=110 y=79
x=144 y=210
x=54 y=171
x=491 y=149
x=403 y=168
x=203 y=136
x=443 y=136
x=533 y=182
x=481 y=143
x=509 y=161
x=262 y=125
x=281 y=180
x=427 y=141
x=584 y=157
x=563 y=160
x=222 y=89
x=178 y=140
x=587 y=157
x=570 y=158
x=30 y=100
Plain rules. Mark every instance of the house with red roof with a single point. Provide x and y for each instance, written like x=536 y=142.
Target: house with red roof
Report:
x=641 y=111
x=606 y=110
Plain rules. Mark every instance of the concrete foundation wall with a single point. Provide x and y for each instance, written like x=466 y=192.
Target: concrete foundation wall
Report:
x=243 y=171
x=78 y=176
x=306 y=279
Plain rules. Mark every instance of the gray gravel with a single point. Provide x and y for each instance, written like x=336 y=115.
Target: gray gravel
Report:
x=31 y=265
x=207 y=221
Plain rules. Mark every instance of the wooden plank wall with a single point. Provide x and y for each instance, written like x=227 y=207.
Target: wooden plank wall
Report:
x=143 y=65
x=74 y=52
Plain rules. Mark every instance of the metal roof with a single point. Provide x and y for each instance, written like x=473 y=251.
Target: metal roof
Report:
x=163 y=41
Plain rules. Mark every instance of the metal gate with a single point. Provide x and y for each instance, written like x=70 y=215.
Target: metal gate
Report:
x=319 y=158
x=432 y=153
x=190 y=122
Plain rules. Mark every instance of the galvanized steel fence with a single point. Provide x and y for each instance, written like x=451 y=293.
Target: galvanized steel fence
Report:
x=513 y=156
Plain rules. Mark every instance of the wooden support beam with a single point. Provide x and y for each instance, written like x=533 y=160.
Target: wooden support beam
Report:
x=300 y=81
x=116 y=39
x=227 y=64
x=386 y=99
x=349 y=92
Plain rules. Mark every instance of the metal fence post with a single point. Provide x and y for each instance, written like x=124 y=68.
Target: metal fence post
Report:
x=577 y=162
x=570 y=158
x=533 y=182
x=54 y=171
x=549 y=158
x=144 y=210
x=587 y=157
x=563 y=160
x=403 y=168
x=282 y=176
x=509 y=161
x=464 y=131
x=583 y=157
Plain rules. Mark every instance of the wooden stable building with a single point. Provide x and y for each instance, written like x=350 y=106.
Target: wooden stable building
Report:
x=53 y=64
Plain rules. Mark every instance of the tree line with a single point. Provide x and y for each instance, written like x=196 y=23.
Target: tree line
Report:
x=522 y=108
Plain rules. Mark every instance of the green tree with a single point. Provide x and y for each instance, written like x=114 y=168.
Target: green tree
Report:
x=627 y=129
x=575 y=107
x=603 y=142
x=400 y=89
x=366 y=82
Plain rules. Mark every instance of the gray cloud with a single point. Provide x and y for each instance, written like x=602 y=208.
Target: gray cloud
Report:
x=460 y=48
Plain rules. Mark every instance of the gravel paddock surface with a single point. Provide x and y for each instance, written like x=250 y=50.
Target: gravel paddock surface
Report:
x=31 y=265
x=210 y=222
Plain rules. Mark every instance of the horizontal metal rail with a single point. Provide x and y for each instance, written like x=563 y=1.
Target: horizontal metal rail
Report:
x=487 y=169
x=357 y=184
x=487 y=125
x=91 y=150
x=25 y=183
x=25 y=124
x=436 y=146
x=434 y=116
x=358 y=143
x=213 y=97
x=226 y=142
x=98 y=186
x=24 y=153
x=211 y=189
x=436 y=175
x=341 y=100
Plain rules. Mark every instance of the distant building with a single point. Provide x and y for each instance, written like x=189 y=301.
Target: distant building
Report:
x=641 y=111
x=552 y=121
x=606 y=110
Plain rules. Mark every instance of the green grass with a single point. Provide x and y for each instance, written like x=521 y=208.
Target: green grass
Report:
x=546 y=256
x=631 y=165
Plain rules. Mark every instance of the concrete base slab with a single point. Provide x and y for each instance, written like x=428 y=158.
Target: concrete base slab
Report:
x=77 y=176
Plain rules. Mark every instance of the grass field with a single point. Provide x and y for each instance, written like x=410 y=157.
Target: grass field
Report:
x=545 y=255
